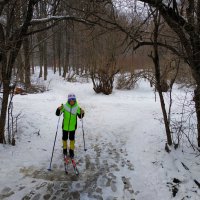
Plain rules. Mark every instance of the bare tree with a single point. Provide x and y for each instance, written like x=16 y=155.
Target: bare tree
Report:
x=183 y=17
x=156 y=61
x=13 y=30
x=11 y=38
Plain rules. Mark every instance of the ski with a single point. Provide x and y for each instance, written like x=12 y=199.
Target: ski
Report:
x=75 y=167
x=66 y=164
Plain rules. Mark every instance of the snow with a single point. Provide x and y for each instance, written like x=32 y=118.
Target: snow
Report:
x=125 y=157
x=53 y=18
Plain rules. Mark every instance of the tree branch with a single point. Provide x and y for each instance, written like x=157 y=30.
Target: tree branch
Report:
x=34 y=22
x=168 y=12
x=172 y=49
x=177 y=23
x=42 y=29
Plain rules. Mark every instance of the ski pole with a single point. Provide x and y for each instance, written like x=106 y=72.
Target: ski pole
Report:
x=54 y=145
x=83 y=133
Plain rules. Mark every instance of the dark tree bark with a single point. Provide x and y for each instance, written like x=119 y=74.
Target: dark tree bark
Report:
x=20 y=68
x=32 y=64
x=156 y=61
x=67 y=51
x=41 y=56
x=32 y=56
x=197 y=106
x=4 y=104
x=54 y=52
x=59 y=51
x=44 y=37
x=45 y=60
x=26 y=47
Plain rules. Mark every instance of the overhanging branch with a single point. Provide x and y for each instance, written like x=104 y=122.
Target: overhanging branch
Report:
x=172 y=49
x=34 y=22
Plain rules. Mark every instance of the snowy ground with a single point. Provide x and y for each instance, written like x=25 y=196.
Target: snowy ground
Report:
x=125 y=157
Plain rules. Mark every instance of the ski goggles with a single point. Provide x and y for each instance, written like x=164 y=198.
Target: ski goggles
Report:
x=72 y=99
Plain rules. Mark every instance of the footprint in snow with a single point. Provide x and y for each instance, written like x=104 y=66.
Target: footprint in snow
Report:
x=97 y=174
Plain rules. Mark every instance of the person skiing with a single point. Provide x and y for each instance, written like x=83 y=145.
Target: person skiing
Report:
x=70 y=112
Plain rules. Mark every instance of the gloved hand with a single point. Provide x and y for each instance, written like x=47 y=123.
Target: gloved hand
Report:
x=58 y=111
x=82 y=111
x=60 y=107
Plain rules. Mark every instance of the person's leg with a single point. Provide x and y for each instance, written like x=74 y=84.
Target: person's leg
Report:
x=72 y=143
x=65 y=138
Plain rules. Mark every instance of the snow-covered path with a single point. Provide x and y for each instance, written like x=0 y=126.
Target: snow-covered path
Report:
x=125 y=157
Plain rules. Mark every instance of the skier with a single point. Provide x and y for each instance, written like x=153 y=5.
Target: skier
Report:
x=70 y=112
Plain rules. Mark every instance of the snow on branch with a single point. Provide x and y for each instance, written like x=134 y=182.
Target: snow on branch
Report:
x=57 y=18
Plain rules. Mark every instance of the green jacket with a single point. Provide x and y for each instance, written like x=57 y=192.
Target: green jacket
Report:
x=70 y=116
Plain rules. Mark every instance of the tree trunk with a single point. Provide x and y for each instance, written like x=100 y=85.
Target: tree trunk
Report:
x=4 y=110
x=32 y=63
x=0 y=75
x=20 y=67
x=45 y=60
x=196 y=76
x=26 y=47
x=44 y=37
x=54 y=53
x=67 y=47
x=156 y=61
x=77 y=44
x=32 y=57
x=197 y=106
x=167 y=129
x=59 y=51
x=41 y=58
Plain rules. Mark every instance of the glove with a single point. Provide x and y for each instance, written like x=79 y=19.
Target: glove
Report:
x=82 y=111
x=60 y=107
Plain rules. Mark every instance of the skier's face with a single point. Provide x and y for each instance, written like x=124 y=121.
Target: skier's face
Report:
x=72 y=102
